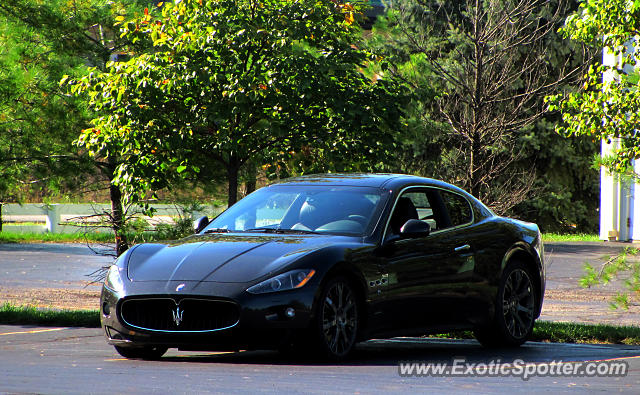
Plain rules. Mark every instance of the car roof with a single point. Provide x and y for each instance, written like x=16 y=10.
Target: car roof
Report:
x=346 y=179
x=375 y=180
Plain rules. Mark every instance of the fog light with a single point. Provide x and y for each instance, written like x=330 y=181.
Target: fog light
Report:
x=290 y=312
x=106 y=310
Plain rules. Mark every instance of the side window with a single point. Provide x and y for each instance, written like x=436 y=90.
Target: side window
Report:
x=439 y=208
x=421 y=203
x=423 y=207
x=458 y=208
x=413 y=204
x=407 y=207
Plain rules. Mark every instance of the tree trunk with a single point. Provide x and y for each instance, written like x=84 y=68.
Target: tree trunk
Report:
x=475 y=177
x=477 y=103
x=117 y=213
x=233 y=168
x=1 y=204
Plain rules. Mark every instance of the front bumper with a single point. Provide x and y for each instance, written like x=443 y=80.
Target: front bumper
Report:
x=264 y=321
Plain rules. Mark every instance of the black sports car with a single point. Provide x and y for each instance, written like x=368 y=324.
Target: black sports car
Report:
x=326 y=261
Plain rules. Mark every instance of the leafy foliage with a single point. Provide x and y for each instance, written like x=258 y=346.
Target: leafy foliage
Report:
x=623 y=265
x=567 y=187
x=479 y=70
x=36 y=123
x=608 y=106
x=231 y=82
x=41 y=42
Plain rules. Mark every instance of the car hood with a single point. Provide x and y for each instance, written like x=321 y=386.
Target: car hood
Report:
x=221 y=257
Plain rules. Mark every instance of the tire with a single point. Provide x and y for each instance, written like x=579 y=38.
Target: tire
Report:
x=515 y=307
x=148 y=352
x=337 y=319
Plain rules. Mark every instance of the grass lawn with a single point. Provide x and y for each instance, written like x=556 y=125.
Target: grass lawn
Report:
x=569 y=237
x=15 y=237
x=27 y=315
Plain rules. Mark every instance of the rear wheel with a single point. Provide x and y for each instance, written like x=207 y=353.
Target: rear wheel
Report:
x=337 y=318
x=515 y=309
x=147 y=352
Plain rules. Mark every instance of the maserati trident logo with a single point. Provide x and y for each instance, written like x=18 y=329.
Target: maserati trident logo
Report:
x=177 y=315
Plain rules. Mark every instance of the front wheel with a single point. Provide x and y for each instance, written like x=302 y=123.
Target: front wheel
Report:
x=337 y=318
x=514 y=311
x=147 y=352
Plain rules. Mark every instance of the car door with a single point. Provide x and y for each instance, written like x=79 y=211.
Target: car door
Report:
x=426 y=278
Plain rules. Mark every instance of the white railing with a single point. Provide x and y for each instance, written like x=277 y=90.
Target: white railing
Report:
x=55 y=218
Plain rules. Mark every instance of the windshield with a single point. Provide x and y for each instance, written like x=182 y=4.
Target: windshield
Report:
x=304 y=209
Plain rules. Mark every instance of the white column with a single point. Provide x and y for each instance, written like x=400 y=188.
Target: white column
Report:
x=609 y=198
x=634 y=219
x=616 y=195
x=625 y=191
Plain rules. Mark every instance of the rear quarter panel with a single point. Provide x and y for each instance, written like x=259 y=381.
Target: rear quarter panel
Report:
x=498 y=240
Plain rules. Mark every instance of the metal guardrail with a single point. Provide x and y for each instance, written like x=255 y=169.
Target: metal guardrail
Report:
x=55 y=217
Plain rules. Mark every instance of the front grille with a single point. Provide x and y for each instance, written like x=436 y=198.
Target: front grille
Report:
x=185 y=315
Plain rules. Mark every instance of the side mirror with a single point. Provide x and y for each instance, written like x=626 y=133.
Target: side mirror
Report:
x=200 y=224
x=414 y=228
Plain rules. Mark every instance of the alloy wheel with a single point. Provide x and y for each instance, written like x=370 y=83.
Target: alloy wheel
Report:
x=339 y=318
x=518 y=303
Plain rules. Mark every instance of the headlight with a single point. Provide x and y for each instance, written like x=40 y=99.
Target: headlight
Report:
x=113 y=280
x=283 y=282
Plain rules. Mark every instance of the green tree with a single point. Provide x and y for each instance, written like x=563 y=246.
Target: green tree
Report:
x=40 y=42
x=231 y=82
x=608 y=105
x=567 y=187
x=36 y=121
x=480 y=70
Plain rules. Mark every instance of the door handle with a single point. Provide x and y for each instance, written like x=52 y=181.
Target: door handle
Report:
x=462 y=248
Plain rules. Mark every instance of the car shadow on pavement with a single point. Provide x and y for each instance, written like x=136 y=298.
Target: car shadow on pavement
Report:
x=392 y=352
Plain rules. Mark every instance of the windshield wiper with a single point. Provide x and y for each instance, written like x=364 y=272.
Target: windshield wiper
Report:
x=278 y=230
x=265 y=230
x=300 y=231
x=217 y=230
